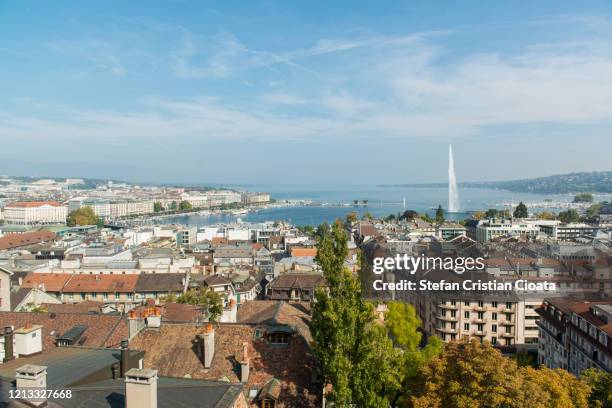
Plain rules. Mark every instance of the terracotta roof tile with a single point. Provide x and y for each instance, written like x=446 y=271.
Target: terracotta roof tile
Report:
x=101 y=283
x=53 y=282
x=102 y=331
x=174 y=350
x=12 y=240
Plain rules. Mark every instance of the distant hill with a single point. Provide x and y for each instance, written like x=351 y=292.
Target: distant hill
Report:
x=588 y=182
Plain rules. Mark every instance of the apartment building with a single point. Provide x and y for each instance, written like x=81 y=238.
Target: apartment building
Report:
x=102 y=208
x=486 y=230
x=35 y=213
x=563 y=232
x=255 y=198
x=576 y=334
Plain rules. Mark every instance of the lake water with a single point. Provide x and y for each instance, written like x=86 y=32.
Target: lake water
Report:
x=381 y=201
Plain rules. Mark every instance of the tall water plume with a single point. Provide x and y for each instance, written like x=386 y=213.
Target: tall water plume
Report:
x=453 y=193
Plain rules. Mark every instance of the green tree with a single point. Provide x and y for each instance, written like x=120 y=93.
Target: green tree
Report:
x=569 y=216
x=583 y=198
x=356 y=356
x=593 y=211
x=82 y=216
x=479 y=215
x=546 y=215
x=470 y=374
x=427 y=218
x=521 y=211
x=439 y=215
x=351 y=217
x=601 y=387
x=206 y=298
x=173 y=206
x=403 y=325
x=185 y=206
x=390 y=218
x=367 y=216
x=491 y=213
x=157 y=207
x=409 y=215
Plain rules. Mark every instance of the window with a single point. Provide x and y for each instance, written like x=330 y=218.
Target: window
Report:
x=494 y=316
x=453 y=313
x=453 y=303
x=509 y=305
x=493 y=340
x=268 y=403
x=466 y=303
x=278 y=338
x=466 y=326
x=466 y=315
x=494 y=328
x=480 y=303
x=481 y=315
x=494 y=304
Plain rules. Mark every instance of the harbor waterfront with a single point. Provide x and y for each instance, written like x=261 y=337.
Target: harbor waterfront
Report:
x=312 y=207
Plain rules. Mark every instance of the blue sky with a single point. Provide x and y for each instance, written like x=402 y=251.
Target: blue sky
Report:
x=304 y=93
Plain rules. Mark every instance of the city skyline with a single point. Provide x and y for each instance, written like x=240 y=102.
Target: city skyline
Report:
x=185 y=92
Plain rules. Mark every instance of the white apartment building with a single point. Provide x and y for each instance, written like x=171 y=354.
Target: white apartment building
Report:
x=100 y=207
x=487 y=230
x=35 y=213
x=107 y=209
x=255 y=198
x=196 y=200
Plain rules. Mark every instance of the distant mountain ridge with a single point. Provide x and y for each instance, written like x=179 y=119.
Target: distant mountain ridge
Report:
x=585 y=182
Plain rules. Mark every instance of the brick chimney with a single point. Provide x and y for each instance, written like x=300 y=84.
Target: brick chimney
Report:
x=244 y=363
x=32 y=377
x=8 y=344
x=208 y=344
x=141 y=388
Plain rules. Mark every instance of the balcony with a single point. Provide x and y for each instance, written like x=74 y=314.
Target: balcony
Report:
x=479 y=321
x=446 y=318
x=447 y=306
x=506 y=335
x=505 y=309
x=480 y=333
x=506 y=323
x=446 y=330
x=479 y=308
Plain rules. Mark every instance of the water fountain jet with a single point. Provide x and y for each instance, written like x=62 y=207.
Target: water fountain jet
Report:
x=453 y=193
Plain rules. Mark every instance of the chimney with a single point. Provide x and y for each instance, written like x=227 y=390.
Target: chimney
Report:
x=244 y=363
x=125 y=357
x=115 y=371
x=153 y=318
x=141 y=388
x=208 y=344
x=32 y=377
x=28 y=340
x=8 y=344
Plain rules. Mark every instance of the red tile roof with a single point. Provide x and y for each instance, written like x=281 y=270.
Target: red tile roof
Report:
x=11 y=240
x=102 y=283
x=174 y=351
x=102 y=331
x=298 y=251
x=53 y=282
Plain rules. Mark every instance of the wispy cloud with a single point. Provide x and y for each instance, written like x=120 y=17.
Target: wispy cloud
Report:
x=393 y=87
